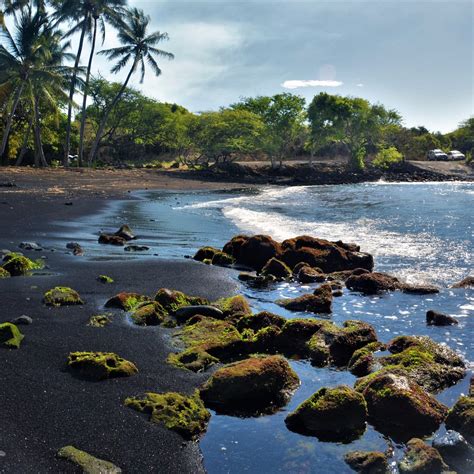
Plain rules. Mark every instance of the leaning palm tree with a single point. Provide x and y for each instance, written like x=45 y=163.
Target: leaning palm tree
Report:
x=137 y=46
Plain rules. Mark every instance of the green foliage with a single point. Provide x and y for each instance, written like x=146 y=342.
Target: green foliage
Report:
x=387 y=157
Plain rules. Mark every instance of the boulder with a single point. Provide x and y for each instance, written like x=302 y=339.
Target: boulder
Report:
x=461 y=418
x=136 y=248
x=10 y=336
x=295 y=334
x=455 y=451
x=362 y=360
x=250 y=386
x=172 y=300
x=343 y=275
x=222 y=259
x=126 y=301
x=110 y=239
x=187 y=312
x=184 y=414
x=276 y=268
x=467 y=282
x=125 y=233
x=421 y=459
x=233 y=306
x=419 y=289
x=318 y=302
x=400 y=408
x=367 y=462
x=86 y=462
x=234 y=246
x=16 y=264
x=307 y=274
x=433 y=318
x=205 y=253
x=372 y=283
x=255 y=251
x=258 y=321
x=99 y=365
x=149 y=313
x=331 y=414
x=62 y=296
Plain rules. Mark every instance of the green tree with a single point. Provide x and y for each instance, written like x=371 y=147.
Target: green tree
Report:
x=463 y=137
x=137 y=46
x=387 y=157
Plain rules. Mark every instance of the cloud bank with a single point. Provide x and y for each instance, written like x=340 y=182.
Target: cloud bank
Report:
x=296 y=84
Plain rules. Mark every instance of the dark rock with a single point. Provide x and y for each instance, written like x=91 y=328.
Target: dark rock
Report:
x=319 y=302
x=308 y=274
x=233 y=306
x=187 y=312
x=276 y=268
x=126 y=301
x=467 y=282
x=30 y=246
x=259 y=321
x=461 y=418
x=372 y=283
x=256 y=251
x=149 y=313
x=251 y=386
x=136 y=248
x=367 y=462
x=433 y=318
x=455 y=451
x=125 y=233
x=222 y=259
x=111 y=240
x=22 y=320
x=419 y=289
x=295 y=334
x=256 y=281
x=331 y=414
x=205 y=253
x=421 y=459
x=234 y=246
x=172 y=300
x=363 y=361
x=76 y=248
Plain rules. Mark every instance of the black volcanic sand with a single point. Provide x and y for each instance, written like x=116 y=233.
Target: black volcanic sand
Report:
x=42 y=406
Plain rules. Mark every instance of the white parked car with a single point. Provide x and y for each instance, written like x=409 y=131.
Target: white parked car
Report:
x=437 y=155
x=456 y=155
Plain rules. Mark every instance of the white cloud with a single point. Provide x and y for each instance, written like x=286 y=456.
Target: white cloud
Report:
x=296 y=84
x=360 y=85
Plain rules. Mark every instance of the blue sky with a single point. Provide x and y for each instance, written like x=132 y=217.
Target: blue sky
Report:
x=414 y=56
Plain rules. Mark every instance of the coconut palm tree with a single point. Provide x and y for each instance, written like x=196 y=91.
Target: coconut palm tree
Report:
x=137 y=46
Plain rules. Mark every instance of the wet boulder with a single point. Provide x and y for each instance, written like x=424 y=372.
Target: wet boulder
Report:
x=205 y=253
x=419 y=289
x=343 y=275
x=276 y=268
x=256 y=281
x=257 y=250
x=234 y=246
x=99 y=365
x=331 y=414
x=455 y=451
x=433 y=318
x=372 y=283
x=126 y=301
x=363 y=360
x=187 y=312
x=172 y=300
x=125 y=233
x=400 y=408
x=233 y=306
x=86 y=462
x=222 y=259
x=467 y=282
x=307 y=274
x=258 y=321
x=318 y=302
x=10 y=336
x=250 y=386
x=367 y=462
x=295 y=334
x=461 y=418
x=421 y=459
x=184 y=414
x=110 y=239
x=62 y=296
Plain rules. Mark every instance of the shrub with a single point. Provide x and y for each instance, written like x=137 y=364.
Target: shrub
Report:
x=387 y=157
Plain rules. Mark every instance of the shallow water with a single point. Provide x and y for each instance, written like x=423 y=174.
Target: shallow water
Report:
x=418 y=232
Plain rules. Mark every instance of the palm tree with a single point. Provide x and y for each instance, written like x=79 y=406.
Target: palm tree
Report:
x=137 y=46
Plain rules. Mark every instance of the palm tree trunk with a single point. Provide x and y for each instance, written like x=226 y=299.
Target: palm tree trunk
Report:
x=84 y=97
x=8 y=125
x=24 y=145
x=98 y=137
x=67 y=146
x=40 y=160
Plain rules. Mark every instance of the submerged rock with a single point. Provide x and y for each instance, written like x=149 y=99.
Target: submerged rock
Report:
x=86 y=462
x=111 y=240
x=126 y=301
x=367 y=462
x=125 y=233
x=100 y=365
x=433 y=318
x=421 y=459
x=276 y=268
x=250 y=386
x=331 y=414
x=455 y=451
x=467 y=282
x=400 y=408
x=62 y=296
x=184 y=414
x=10 y=336
x=319 y=302
x=461 y=417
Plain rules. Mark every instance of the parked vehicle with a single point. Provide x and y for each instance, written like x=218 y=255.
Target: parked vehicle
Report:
x=456 y=155
x=437 y=155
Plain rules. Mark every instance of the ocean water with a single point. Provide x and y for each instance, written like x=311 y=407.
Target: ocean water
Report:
x=419 y=232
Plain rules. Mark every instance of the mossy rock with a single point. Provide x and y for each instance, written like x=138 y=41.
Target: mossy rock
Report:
x=127 y=301
x=421 y=459
x=331 y=414
x=17 y=264
x=100 y=320
x=10 y=336
x=205 y=253
x=363 y=361
x=184 y=414
x=461 y=418
x=318 y=302
x=86 y=462
x=62 y=296
x=233 y=306
x=149 y=313
x=367 y=462
x=105 y=279
x=306 y=274
x=195 y=360
x=172 y=300
x=258 y=321
x=222 y=259
x=277 y=268
x=295 y=334
x=251 y=386
x=400 y=408
x=4 y=273
x=100 y=365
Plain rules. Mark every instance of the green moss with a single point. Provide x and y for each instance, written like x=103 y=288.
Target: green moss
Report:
x=277 y=268
x=62 y=296
x=207 y=261
x=105 y=279
x=100 y=365
x=195 y=360
x=88 y=463
x=172 y=300
x=10 y=336
x=17 y=264
x=4 y=273
x=223 y=259
x=100 y=320
x=461 y=417
x=149 y=314
x=183 y=414
x=232 y=306
x=206 y=253
x=363 y=359
x=126 y=301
